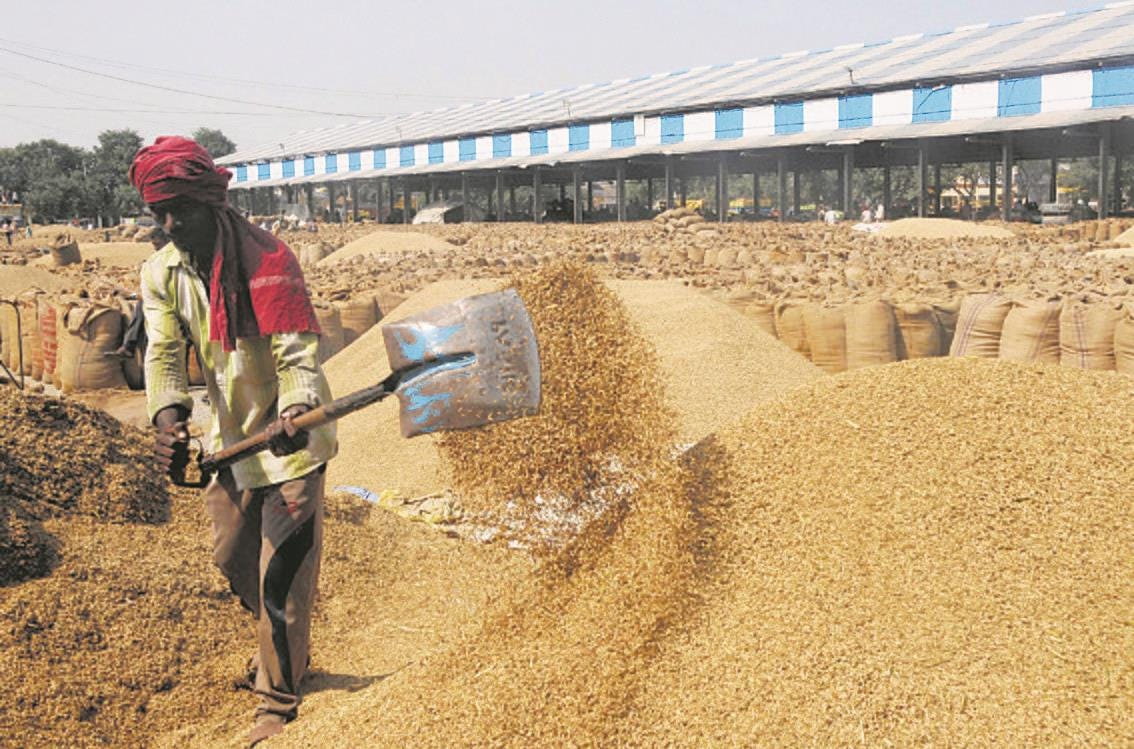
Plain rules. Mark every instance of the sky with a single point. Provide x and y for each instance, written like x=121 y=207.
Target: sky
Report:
x=260 y=71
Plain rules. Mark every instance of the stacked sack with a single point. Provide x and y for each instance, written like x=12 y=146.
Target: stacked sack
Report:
x=1088 y=331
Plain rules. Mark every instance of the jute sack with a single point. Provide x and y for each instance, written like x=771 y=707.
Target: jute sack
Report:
x=919 y=331
x=8 y=352
x=1031 y=332
x=386 y=300
x=357 y=316
x=871 y=334
x=740 y=297
x=1124 y=341
x=947 y=311
x=1086 y=334
x=47 y=337
x=789 y=327
x=88 y=332
x=65 y=254
x=29 y=329
x=764 y=315
x=61 y=307
x=979 y=323
x=331 y=339
x=309 y=254
x=826 y=337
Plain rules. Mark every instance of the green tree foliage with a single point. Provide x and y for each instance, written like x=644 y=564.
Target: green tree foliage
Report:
x=214 y=141
x=56 y=181
x=113 y=193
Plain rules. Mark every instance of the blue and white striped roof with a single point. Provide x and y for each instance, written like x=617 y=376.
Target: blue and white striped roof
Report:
x=1048 y=42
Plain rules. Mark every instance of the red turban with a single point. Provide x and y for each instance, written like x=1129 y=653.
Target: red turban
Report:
x=256 y=287
x=175 y=167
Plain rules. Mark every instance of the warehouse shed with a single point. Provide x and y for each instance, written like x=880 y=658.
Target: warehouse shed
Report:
x=1055 y=86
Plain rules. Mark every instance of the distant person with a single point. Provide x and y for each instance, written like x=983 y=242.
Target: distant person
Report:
x=9 y=229
x=238 y=295
x=879 y=213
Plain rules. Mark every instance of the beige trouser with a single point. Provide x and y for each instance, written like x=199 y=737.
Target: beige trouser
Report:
x=268 y=542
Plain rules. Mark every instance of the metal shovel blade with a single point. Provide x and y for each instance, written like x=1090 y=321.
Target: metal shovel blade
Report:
x=467 y=364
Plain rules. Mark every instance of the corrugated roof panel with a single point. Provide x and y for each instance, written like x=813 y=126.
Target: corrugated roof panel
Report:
x=983 y=50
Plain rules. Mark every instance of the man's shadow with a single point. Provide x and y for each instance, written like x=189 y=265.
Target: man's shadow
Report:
x=323 y=681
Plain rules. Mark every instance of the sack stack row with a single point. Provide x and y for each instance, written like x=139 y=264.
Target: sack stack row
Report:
x=64 y=340
x=1081 y=332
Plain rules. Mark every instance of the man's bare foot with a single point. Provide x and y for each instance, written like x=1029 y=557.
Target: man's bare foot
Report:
x=267 y=726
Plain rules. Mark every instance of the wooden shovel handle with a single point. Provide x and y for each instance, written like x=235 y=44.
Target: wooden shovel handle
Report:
x=311 y=419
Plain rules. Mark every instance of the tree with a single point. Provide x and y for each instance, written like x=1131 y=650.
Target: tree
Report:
x=214 y=141
x=112 y=192
x=50 y=177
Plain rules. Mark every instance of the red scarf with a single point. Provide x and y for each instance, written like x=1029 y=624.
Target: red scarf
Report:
x=256 y=287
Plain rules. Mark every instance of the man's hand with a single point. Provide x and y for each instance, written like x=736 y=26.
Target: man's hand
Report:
x=284 y=437
x=171 y=445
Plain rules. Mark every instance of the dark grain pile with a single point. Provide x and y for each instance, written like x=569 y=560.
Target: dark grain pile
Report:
x=59 y=456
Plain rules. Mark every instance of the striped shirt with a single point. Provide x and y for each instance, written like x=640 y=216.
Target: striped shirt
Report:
x=247 y=387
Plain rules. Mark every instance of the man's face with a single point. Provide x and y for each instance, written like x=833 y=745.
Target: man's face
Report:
x=189 y=223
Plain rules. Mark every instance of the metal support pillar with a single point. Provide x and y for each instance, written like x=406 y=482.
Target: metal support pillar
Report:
x=620 y=190
x=512 y=200
x=650 y=194
x=1104 y=157
x=465 y=212
x=848 y=185
x=1006 y=159
x=722 y=189
x=378 y=201
x=991 y=186
x=668 y=183
x=1117 y=184
x=405 y=202
x=922 y=178
x=887 y=191
x=309 y=194
x=590 y=197
x=353 y=188
x=684 y=192
x=333 y=198
x=537 y=196
x=781 y=197
x=937 y=189
x=1053 y=188
x=755 y=193
x=391 y=199
x=499 y=196
x=576 y=194
x=796 y=188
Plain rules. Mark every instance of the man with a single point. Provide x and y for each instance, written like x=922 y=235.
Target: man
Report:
x=239 y=296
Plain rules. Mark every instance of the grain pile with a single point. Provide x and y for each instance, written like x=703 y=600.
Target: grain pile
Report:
x=555 y=662
x=60 y=457
x=133 y=633
x=935 y=553
x=929 y=553
x=112 y=254
x=714 y=362
x=941 y=228
x=388 y=242
x=17 y=278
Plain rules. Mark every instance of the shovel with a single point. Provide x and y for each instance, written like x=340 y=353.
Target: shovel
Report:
x=458 y=366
